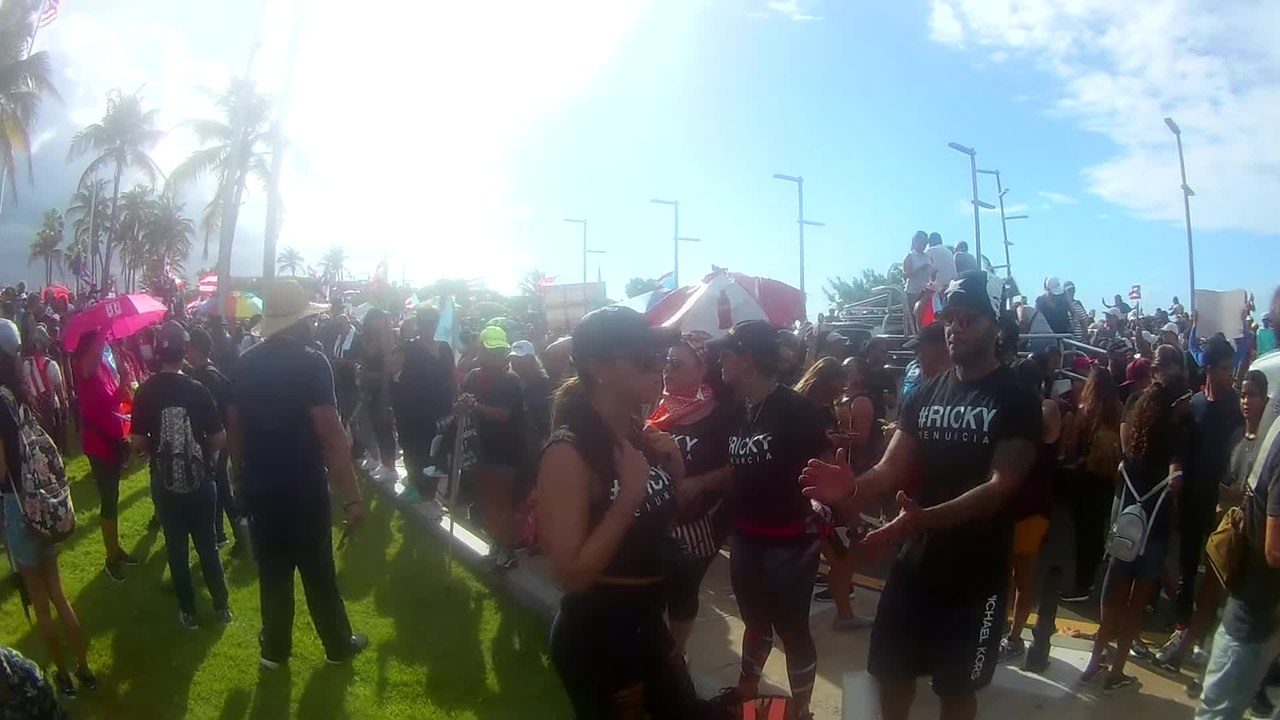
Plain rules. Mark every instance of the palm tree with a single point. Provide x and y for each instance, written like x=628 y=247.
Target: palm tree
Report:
x=233 y=147
x=334 y=262
x=167 y=235
x=292 y=261
x=120 y=140
x=24 y=83
x=90 y=198
x=47 y=245
x=135 y=211
x=531 y=285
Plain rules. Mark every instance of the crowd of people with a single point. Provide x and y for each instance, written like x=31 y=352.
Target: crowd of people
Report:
x=1005 y=472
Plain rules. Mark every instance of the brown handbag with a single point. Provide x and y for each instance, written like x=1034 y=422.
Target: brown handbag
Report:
x=1227 y=545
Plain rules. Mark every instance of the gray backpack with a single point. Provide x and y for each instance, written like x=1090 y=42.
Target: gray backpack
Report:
x=1128 y=537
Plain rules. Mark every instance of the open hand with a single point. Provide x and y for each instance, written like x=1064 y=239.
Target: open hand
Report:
x=827 y=483
x=899 y=528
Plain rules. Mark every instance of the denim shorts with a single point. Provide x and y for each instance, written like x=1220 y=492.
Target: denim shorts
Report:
x=26 y=549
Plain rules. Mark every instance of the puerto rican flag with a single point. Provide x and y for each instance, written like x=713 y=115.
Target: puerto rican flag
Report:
x=1135 y=292
x=208 y=283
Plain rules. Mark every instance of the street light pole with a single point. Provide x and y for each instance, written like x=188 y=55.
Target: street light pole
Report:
x=1001 y=191
x=1187 y=194
x=800 y=221
x=585 y=251
x=675 y=238
x=973 y=175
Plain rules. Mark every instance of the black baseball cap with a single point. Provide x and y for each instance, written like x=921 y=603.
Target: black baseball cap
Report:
x=757 y=339
x=969 y=292
x=171 y=340
x=934 y=332
x=618 y=331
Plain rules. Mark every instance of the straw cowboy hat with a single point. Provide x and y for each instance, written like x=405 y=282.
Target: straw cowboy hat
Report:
x=284 y=303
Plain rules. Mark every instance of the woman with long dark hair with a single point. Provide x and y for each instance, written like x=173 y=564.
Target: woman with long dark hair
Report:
x=36 y=559
x=1153 y=456
x=377 y=343
x=606 y=501
x=1093 y=444
x=101 y=389
x=698 y=411
x=774 y=563
x=825 y=384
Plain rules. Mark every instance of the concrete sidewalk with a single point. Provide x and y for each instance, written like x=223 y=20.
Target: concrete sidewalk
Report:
x=843 y=690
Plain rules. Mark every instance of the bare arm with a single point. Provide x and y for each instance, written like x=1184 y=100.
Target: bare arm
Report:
x=218 y=441
x=1009 y=467
x=890 y=474
x=337 y=454
x=862 y=416
x=579 y=553
x=1271 y=544
x=1051 y=418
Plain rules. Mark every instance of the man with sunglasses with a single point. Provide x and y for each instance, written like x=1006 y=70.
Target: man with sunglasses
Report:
x=969 y=437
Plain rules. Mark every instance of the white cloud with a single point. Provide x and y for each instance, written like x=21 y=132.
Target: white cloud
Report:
x=1214 y=67
x=944 y=26
x=797 y=10
x=1057 y=198
x=998 y=56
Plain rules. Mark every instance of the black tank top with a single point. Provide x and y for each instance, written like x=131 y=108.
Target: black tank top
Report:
x=647 y=549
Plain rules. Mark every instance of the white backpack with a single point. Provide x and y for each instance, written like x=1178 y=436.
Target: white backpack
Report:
x=1128 y=537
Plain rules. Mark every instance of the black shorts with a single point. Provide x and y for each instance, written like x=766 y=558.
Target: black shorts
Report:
x=773 y=580
x=952 y=637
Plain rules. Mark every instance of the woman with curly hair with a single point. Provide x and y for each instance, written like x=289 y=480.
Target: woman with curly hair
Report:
x=1153 y=454
x=1093 y=441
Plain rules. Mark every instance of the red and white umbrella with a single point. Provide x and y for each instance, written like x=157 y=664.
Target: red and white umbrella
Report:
x=723 y=299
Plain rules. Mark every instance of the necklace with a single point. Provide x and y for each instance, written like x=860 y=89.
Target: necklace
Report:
x=755 y=416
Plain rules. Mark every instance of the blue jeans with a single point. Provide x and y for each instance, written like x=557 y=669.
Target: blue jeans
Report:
x=192 y=515
x=1233 y=675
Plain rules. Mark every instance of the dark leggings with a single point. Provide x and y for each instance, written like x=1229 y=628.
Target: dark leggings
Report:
x=682 y=603
x=773 y=580
x=1091 y=509
x=106 y=475
x=613 y=654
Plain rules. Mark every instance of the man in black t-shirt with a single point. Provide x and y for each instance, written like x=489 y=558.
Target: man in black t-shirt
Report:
x=425 y=387
x=177 y=424
x=969 y=436
x=286 y=441
x=200 y=366
x=1215 y=420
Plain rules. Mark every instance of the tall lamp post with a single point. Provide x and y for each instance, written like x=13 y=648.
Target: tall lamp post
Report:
x=675 y=238
x=1187 y=194
x=973 y=175
x=800 y=222
x=585 y=251
x=1004 y=227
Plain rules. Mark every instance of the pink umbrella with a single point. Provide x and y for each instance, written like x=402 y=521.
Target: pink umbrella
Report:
x=116 y=318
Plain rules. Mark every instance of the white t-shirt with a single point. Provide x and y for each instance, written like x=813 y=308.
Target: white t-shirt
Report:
x=944 y=262
x=919 y=277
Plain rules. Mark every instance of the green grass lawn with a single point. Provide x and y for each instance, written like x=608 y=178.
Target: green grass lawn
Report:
x=442 y=645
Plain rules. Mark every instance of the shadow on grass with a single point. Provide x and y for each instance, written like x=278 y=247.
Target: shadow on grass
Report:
x=445 y=626
x=153 y=659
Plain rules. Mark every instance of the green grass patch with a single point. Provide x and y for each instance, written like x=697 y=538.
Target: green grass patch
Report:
x=442 y=644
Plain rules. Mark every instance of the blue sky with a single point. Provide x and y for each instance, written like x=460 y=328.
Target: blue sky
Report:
x=483 y=126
